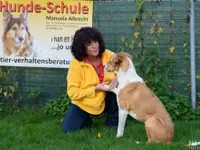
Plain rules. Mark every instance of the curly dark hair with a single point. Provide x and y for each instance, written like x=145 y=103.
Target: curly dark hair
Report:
x=84 y=36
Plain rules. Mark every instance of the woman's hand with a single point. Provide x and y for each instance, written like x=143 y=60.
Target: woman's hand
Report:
x=102 y=87
x=107 y=87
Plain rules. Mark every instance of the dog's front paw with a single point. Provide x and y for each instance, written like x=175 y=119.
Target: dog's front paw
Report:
x=106 y=87
x=119 y=135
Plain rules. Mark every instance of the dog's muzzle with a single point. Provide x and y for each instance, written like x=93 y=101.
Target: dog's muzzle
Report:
x=105 y=68
x=20 y=38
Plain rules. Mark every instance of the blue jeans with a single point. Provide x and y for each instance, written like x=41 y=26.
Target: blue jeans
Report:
x=76 y=118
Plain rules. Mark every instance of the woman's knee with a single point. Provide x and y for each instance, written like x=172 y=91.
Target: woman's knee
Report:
x=74 y=119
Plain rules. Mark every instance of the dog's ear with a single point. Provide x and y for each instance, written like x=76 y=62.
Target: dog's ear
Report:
x=6 y=18
x=124 y=54
x=123 y=57
x=24 y=15
x=114 y=59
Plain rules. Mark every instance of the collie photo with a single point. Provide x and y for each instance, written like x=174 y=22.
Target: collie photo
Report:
x=17 y=40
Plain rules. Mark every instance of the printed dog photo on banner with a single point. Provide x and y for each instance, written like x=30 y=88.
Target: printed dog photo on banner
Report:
x=16 y=39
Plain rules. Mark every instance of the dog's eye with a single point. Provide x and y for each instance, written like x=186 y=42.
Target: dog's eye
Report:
x=14 y=28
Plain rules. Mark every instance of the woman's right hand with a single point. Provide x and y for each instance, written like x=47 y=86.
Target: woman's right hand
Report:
x=102 y=87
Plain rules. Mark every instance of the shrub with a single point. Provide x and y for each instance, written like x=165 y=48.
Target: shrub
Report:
x=57 y=107
x=9 y=91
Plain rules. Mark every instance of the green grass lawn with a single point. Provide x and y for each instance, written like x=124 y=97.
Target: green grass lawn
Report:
x=32 y=130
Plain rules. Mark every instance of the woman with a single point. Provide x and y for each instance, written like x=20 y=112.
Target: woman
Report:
x=86 y=79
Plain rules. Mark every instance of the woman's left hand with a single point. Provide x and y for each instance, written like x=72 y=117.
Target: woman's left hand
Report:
x=113 y=84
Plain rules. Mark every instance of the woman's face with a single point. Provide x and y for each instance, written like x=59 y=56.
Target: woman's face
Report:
x=92 y=48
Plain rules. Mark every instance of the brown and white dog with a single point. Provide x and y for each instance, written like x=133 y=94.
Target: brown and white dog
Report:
x=137 y=100
x=17 y=40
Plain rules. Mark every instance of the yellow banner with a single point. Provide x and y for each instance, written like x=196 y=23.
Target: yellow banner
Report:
x=39 y=33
